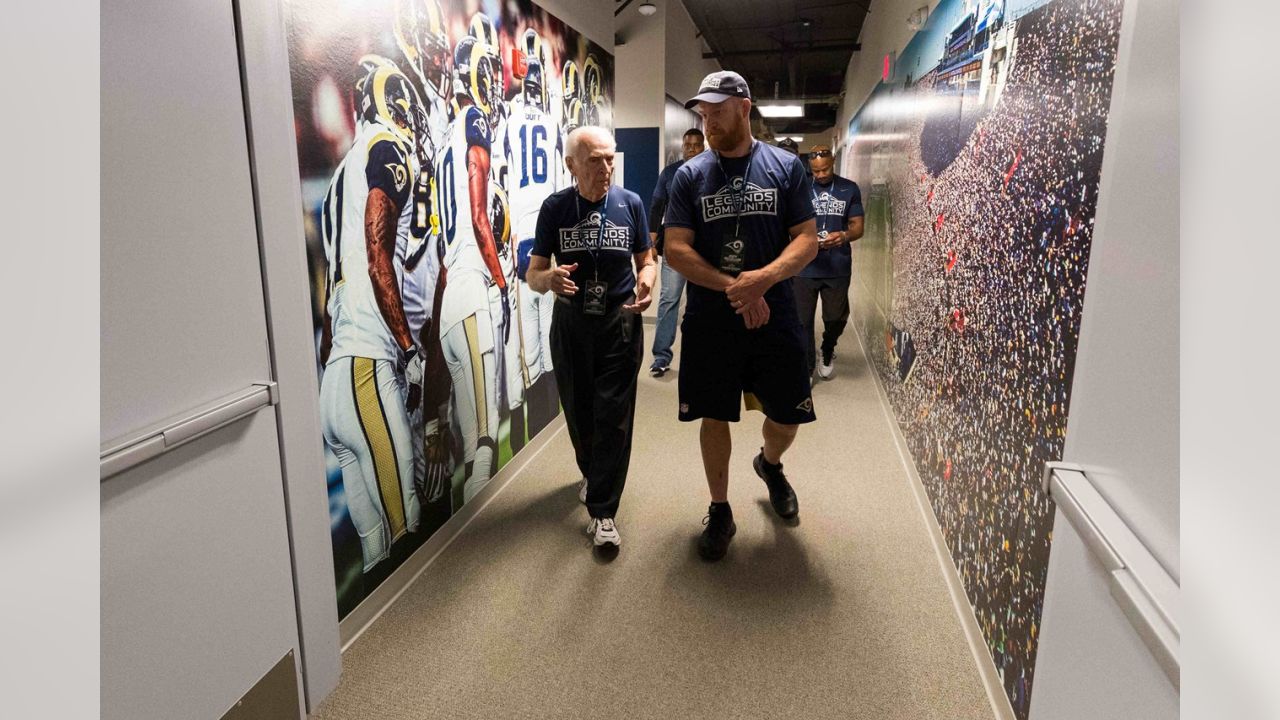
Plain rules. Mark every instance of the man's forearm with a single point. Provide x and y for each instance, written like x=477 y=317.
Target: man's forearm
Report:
x=685 y=260
x=536 y=280
x=801 y=251
x=380 y=220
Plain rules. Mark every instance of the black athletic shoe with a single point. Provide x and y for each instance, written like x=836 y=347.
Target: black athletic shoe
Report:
x=714 y=541
x=658 y=370
x=781 y=496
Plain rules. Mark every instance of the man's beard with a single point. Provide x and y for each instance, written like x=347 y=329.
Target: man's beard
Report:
x=730 y=139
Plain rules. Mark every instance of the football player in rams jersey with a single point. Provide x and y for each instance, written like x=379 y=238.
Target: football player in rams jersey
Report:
x=365 y=222
x=536 y=153
x=471 y=264
x=420 y=32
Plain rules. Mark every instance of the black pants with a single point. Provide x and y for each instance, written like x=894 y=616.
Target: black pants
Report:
x=597 y=364
x=835 y=311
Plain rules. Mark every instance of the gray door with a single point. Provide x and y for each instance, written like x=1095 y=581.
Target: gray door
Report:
x=197 y=597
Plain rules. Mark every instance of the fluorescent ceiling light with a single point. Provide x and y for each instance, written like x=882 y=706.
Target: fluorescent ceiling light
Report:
x=798 y=138
x=782 y=111
x=648 y=9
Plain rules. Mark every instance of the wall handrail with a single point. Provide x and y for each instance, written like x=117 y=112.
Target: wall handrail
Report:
x=132 y=450
x=1143 y=589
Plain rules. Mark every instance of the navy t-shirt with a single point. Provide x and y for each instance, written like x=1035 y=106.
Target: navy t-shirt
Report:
x=777 y=198
x=835 y=204
x=569 y=229
x=658 y=203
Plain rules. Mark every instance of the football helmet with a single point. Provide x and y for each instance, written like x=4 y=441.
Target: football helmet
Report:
x=531 y=46
x=535 y=89
x=420 y=33
x=500 y=219
x=385 y=95
x=592 y=81
x=572 y=114
x=486 y=35
x=476 y=77
x=570 y=85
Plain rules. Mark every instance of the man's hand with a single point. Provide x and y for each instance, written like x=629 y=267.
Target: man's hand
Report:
x=506 y=316
x=834 y=239
x=756 y=314
x=413 y=369
x=560 y=282
x=644 y=296
x=437 y=455
x=747 y=288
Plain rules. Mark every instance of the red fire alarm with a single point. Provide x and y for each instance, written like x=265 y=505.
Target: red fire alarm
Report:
x=519 y=63
x=888 y=68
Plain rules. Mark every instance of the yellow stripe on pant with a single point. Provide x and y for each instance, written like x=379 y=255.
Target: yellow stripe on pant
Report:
x=378 y=435
x=471 y=328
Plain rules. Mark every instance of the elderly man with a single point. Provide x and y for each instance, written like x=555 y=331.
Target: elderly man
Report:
x=603 y=277
x=739 y=225
x=838 y=204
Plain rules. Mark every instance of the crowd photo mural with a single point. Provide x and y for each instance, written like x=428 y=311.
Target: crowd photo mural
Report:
x=429 y=133
x=980 y=155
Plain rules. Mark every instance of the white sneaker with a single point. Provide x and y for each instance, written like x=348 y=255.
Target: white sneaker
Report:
x=604 y=532
x=828 y=366
x=582 y=491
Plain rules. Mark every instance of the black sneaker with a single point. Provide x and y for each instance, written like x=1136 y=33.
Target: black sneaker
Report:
x=714 y=541
x=781 y=496
x=658 y=370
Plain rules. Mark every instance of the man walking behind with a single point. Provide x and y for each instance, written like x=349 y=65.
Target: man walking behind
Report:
x=672 y=282
x=838 y=204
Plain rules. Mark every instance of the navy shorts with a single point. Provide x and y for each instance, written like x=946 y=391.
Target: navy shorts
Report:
x=723 y=367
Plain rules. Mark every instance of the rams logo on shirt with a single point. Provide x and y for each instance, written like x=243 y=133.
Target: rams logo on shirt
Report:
x=828 y=204
x=583 y=236
x=755 y=201
x=735 y=246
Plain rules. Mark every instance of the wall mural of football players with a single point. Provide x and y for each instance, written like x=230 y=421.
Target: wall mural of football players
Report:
x=981 y=159
x=429 y=133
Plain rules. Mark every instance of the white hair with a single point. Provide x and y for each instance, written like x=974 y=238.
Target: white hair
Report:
x=574 y=141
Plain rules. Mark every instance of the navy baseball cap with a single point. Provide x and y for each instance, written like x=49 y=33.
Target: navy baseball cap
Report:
x=718 y=87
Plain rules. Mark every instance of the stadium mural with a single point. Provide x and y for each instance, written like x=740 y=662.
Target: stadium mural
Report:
x=980 y=156
x=429 y=132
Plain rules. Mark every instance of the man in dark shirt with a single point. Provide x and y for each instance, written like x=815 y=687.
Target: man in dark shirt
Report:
x=739 y=225
x=838 y=204
x=672 y=282
x=603 y=280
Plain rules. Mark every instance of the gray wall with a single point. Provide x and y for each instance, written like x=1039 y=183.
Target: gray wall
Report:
x=202 y=590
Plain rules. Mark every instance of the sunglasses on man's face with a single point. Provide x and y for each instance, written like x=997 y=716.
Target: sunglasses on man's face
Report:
x=820 y=153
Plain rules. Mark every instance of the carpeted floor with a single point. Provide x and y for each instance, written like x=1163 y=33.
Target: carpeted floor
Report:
x=845 y=615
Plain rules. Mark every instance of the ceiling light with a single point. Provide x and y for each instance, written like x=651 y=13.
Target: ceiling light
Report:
x=648 y=8
x=798 y=138
x=782 y=111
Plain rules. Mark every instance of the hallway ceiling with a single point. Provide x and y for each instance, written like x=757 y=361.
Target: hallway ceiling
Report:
x=790 y=49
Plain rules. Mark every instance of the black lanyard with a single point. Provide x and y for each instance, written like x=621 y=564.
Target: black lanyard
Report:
x=821 y=216
x=604 y=211
x=738 y=197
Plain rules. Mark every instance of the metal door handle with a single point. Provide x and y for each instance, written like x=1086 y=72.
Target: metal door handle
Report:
x=121 y=454
x=1145 y=592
